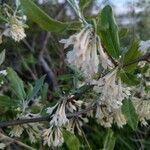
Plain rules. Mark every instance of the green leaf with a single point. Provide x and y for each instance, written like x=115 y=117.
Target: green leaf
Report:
x=123 y=32
x=16 y=84
x=129 y=78
x=2 y=56
x=132 y=54
x=44 y=92
x=37 y=87
x=6 y=101
x=71 y=141
x=65 y=77
x=129 y=111
x=84 y=3
x=109 y=141
x=37 y=15
x=108 y=31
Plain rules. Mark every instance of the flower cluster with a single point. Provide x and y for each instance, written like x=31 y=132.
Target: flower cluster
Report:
x=14 y=27
x=107 y=117
x=53 y=136
x=84 y=51
x=111 y=89
x=142 y=109
x=33 y=129
x=88 y=55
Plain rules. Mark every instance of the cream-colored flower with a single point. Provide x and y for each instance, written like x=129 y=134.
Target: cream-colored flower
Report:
x=104 y=60
x=74 y=105
x=59 y=117
x=106 y=116
x=103 y=116
x=112 y=92
x=53 y=136
x=33 y=129
x=119 y=118
x=3 y=72
x=2 y=146
x=142 y=108
x=141 y=64
x=84 y=54
x=15 y=31
x=16 y=131
x=74 y=126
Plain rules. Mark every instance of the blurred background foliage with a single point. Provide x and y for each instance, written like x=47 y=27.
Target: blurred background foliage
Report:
x=25 y=59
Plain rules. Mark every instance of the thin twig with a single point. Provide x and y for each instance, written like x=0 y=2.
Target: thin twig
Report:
x=43 y=119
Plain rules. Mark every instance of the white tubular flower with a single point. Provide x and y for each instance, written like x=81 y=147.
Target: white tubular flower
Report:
x=84 y=54
x=59 y=117
x=106 y=116
x=16 y=131
x=15 y=31
x=75 y=125
x=74 y=105
x=53 y=136
x=15 y=28
x=106 y=63
x=3 y=72
x=119 y=118
x=142 y=108
x=2 y=146
x=111 y=90
x=33 y=129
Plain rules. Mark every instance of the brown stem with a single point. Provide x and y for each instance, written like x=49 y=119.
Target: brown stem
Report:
x=42 y=119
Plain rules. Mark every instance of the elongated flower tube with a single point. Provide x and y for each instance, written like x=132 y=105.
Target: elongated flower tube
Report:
x=53 y=136
x=104 y=60
x=59 y=117
x=84 y=54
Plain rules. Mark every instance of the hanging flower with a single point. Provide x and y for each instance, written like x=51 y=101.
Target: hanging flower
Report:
x=106 y=116
x=33 y=129
x=104 y=60
x=16 y=131
x=3 y=72
x=103 y=115
x=74 y=105
x=2 y=145
x=142 y=108
x=59 y=117
x=119 y=118
x=84 y=54
x=112 y=92
x=15 y=25
x=15 y=29
x=53 y=136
